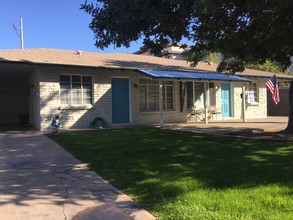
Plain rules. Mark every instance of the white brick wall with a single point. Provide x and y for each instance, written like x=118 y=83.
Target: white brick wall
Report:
x=256 y=110
x=102 y=97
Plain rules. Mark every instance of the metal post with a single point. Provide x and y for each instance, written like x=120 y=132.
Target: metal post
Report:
x=21 y=34
x=205 y=97
x=243 y=104
x=161 y=103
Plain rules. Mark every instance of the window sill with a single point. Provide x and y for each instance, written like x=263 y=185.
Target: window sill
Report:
x=252 y=103
x=75 y=107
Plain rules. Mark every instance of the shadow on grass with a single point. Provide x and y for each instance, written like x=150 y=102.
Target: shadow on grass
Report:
x=158 y=165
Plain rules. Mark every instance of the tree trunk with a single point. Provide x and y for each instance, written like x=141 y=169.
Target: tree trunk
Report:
x=289 y=128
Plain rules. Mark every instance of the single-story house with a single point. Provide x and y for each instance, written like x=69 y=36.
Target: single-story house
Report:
x=121 y=89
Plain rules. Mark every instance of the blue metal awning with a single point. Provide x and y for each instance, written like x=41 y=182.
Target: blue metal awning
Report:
x=181 y=75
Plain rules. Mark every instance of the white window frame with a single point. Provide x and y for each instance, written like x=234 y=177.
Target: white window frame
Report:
x=153 y=83
x=252 y=93
x=192 y=94
x=82 y=98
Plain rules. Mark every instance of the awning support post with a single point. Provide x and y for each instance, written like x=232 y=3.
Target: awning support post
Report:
x=161 y=103
x=243 y=104
x=205 y=97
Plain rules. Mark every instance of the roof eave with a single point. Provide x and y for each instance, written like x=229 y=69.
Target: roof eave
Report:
x=68 y=65
x=289 y=78
x=145 y=72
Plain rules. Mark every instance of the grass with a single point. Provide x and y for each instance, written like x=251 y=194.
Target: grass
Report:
x=181 y=175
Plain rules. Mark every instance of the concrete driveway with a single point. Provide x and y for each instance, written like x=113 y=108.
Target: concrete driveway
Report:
x=40 y=180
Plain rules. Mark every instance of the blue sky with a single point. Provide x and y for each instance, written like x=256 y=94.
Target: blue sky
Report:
x=50 y=24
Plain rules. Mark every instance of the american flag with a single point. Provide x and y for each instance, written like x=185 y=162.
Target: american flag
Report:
x=272 y=85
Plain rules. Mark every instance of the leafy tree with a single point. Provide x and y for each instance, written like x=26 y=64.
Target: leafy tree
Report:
x=268 y=66
x=213 y=58
x=243 y=31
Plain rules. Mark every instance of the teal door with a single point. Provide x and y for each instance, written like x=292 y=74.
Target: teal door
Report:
x=120 y=100
x=226 y=99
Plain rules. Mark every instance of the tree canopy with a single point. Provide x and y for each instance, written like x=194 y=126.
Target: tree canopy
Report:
x=243 y=31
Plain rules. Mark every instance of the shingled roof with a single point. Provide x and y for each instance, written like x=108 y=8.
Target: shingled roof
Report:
x=45 y=56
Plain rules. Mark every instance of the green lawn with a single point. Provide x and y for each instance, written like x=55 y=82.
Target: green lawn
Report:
x=180 y=175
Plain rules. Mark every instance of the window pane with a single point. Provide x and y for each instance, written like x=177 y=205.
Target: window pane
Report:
x=76 y=79
x=87 y=101
x=87 y=90
x=170 y=105
x=87 y=97
x=65 y=95
x=168 y=98
x=87 y=79
x=251 y=93
x=76 y=101
x=189 y=94
x=143 y=97
x=153 y=106
x=76 y=86
x=76 y=93
x=169 y=91
x=87 y=93
x=153 y=97
x=198 y=95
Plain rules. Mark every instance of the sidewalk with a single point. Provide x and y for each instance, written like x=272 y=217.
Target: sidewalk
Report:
x=41 y=181
x=235 y=127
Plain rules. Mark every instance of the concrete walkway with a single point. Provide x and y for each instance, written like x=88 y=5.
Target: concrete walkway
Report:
x=235 y=127
x=39 y=180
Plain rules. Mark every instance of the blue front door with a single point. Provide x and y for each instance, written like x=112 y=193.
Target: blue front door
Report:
x=120 y=100
x=226 y=99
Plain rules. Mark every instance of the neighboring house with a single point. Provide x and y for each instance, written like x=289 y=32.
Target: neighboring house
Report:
x=122 y=89
x=282 y=109
x=170 y=52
